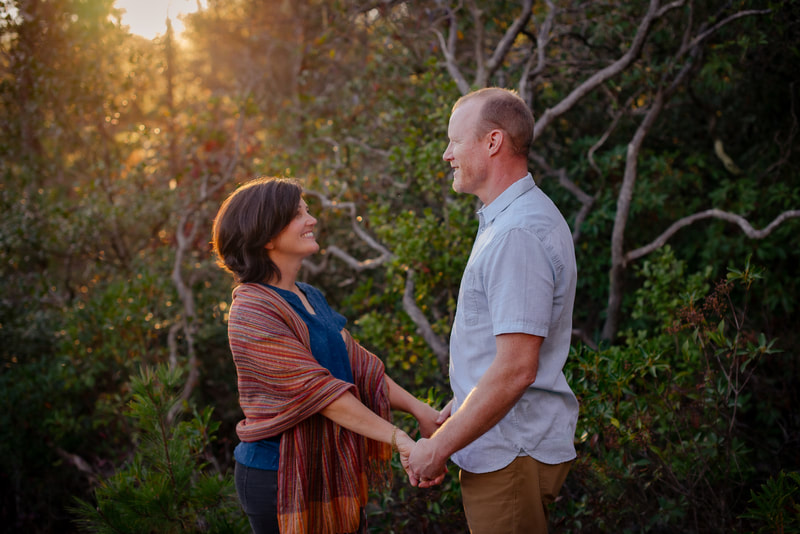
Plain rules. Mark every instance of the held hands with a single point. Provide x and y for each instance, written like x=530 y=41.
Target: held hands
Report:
x=422 y=478
x=425 y=469
x=422 y=465
x=430 y=420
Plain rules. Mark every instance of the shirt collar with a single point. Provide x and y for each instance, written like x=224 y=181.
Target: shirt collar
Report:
x=488 y=214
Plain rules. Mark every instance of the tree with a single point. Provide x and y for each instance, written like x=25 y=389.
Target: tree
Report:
x=605 y=74
x=668 y=45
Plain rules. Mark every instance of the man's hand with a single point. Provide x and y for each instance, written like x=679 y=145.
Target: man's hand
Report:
x=424 y=465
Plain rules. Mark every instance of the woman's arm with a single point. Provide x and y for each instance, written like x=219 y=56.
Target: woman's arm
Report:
x=352 y=414
x=347 y=411
x=399 y=398
x=402 y=400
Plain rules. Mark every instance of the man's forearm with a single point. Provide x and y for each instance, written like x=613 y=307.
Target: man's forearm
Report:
x=512 y=372
x=483 y=408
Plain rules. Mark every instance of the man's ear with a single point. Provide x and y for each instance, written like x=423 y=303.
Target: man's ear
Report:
x=496 y=140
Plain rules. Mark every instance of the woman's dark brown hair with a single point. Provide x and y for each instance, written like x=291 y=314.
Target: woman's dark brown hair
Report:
x=251 y=217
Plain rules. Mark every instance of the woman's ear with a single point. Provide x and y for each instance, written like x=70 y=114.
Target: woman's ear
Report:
x=269 y=246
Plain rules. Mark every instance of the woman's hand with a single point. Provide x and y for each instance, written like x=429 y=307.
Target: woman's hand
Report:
x=444 y=414
x=425 y=466
x=428 y=418
x=424 y=413
x=405 y=445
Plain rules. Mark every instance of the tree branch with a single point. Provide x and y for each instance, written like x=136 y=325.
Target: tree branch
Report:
x=618 y=258
x=621 y=218
x=616 y=118
x=185 y=235
x=714 y=213
x=502 y=48
x=586 y=200
x=358 y=265
x=449 y=51
x=529 y=72
x=439 y=347
x=480 y=62
x=654 y=11
x=385 y=254
x=746 y=13
x=78 y=462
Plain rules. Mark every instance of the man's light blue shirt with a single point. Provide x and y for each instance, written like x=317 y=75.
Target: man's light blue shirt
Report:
x=520 y=278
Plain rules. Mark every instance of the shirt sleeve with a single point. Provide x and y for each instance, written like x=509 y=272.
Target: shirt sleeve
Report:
x=519 y=281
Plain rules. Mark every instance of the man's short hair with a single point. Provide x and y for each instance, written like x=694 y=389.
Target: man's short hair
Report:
x=505 y=110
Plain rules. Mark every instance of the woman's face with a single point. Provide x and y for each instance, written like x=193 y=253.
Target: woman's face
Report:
x=297 y=239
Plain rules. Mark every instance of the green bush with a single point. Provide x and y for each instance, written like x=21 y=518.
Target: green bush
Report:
x=168 y=486
x=661 y=435
x=776 y=506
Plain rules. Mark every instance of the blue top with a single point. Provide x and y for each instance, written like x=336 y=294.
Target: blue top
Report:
x=329 y=349
x=520 y=278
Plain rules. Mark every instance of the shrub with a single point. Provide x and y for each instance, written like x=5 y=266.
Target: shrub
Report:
x=776 y=506
x=168 y=486
x=661 y=435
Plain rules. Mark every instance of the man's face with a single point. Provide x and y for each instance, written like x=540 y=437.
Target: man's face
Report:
x=466 y=154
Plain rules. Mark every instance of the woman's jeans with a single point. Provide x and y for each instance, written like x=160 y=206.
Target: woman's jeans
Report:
x=258 y=493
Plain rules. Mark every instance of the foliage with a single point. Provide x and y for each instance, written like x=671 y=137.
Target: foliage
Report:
x=664 y=432
x=30 y=387
x=775 y=507
x=168 y=485
x=426 y=511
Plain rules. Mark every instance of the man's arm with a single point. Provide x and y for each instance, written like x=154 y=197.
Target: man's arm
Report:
x=510 y=374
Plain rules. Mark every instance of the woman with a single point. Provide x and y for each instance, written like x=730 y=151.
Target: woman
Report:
x=317 y=405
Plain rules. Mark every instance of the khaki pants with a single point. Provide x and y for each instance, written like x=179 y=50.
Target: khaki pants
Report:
x=514 y=499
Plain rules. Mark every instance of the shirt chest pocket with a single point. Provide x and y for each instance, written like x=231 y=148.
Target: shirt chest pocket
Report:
x=475 y=305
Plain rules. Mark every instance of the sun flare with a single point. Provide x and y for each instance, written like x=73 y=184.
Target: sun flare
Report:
x=148 y=18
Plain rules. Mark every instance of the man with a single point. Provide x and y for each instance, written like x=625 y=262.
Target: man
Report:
x=511 y=423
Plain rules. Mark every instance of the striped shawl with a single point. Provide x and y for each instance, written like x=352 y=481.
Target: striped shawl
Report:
x=324 y=470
